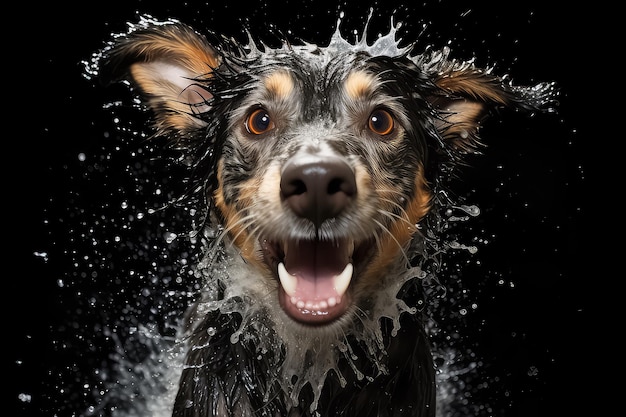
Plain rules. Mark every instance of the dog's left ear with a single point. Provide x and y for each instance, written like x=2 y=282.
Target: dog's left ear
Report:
x=467 y=95
x=170 y=65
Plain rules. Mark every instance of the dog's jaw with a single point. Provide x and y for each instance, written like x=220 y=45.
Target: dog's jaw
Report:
x=314 y=277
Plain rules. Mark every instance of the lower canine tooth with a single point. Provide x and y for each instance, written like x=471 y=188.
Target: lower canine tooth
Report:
x=288 y=281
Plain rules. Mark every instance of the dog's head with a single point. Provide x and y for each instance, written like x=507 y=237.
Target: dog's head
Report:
x=319 y=162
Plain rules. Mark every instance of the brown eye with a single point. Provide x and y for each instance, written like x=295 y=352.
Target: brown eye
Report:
x=259 y=122
x=381 y=122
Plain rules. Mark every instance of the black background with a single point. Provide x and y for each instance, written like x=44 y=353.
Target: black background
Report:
x=533 y=328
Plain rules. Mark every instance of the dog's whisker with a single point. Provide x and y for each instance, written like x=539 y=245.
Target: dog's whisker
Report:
x=401 y=197
x=216 y=244
x=244 y=226
x=377 y=241
x=361 y=315
x=400 y=247
x=398 y=218
x=240 y=223
x=256 y=232
x=403 y=216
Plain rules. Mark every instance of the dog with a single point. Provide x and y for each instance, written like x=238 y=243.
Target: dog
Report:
x=320 y=174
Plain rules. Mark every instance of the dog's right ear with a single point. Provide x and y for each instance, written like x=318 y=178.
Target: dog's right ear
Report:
x=170 y=64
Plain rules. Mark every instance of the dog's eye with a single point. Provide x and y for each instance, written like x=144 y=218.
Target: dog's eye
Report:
x=381 y=122
x=259 y=122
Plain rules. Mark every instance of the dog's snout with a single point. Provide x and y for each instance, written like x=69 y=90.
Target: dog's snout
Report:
x=318 y=190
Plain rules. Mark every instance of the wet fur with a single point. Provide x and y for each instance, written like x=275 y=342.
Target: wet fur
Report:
x=201 y=91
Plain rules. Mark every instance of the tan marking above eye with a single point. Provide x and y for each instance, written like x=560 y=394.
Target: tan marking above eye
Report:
x=359 y=84
x=280 y=84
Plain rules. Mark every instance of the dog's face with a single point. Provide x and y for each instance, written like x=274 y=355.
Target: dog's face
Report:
x=322 y=157
x=321 y=181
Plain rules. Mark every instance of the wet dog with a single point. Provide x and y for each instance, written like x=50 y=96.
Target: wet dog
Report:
x=320 y=168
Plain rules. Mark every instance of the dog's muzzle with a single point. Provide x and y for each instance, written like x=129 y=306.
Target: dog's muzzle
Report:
x=315 y=274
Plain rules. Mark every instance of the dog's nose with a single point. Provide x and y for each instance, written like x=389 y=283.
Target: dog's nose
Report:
x=319 y=189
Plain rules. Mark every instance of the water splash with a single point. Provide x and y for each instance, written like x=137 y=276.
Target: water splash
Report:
x=147 y=387
x=241 y=296
x=141 y=388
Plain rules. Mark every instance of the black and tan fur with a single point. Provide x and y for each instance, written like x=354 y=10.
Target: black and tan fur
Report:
x=312 y=158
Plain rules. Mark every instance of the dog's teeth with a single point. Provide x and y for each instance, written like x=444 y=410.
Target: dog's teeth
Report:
x=342 y=281
x=289 y=284
x=288 y=281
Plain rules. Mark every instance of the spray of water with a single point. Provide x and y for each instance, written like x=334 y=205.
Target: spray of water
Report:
x=148 y=387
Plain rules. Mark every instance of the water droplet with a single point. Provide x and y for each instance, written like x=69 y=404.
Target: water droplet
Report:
x=170 y=237
x=43 y=255
x=25 y=398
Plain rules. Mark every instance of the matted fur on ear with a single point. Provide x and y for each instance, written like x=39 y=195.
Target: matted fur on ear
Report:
x=169 y=63
x=467 y=94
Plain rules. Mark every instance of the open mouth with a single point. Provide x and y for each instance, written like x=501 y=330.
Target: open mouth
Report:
x=314 y=276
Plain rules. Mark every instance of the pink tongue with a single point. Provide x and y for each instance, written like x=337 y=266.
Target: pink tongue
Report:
x=315 y=264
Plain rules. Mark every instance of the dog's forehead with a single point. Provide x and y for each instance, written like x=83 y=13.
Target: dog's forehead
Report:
x=280 y=83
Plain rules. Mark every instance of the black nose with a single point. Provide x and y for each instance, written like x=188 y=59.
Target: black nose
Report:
x=318 y=190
